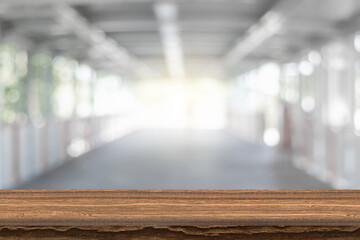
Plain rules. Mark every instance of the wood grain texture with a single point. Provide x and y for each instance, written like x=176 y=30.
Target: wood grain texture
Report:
x=179 y=214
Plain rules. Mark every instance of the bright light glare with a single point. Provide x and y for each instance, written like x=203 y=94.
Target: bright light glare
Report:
x=264 y=80
x=78 y=147
x=64 y=100
x=83 y=73
x=338 y=114
x=306 y=68
x=106 y=98
x=198 y=104
x=269 y=79
x=314 y=57
x=308 y=104
x=357 y=121
x=271 y=137
x=357 y=42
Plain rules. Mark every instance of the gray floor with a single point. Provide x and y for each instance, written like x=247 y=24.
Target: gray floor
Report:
x=176 y=159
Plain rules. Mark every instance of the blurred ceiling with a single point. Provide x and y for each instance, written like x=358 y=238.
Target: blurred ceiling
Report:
x=179 y=38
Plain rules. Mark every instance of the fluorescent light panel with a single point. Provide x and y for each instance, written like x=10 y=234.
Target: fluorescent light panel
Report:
x=166 y=14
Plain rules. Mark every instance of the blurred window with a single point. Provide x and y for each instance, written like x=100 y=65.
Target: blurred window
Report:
x=84 y=82
x=64 y=81
x=13 y=70
x=307 y=85
x=106 y=95
x=38 y=87
x=290 y=83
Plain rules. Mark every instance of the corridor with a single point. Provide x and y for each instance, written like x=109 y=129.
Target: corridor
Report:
x=178 y=94
x=177 y=159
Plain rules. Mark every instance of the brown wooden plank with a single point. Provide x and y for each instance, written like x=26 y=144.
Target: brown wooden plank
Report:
x=180 y=214
x=185 y=208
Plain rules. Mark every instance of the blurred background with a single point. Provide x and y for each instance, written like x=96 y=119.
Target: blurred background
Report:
x=201 y=94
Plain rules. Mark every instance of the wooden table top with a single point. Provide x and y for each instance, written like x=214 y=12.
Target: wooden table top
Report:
x=179 y=208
